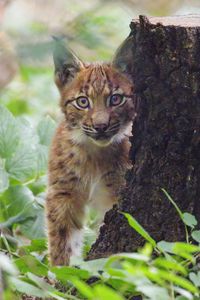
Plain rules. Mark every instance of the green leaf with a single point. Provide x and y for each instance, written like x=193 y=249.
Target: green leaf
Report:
x=65 y=273
x=46 y=129
x=23 y=164
x=83 y=288
x=127 y=257
x=94 y=266
x=180 y=247
x=37 y=245
x=4 y=181
x=34 y=227
x=154 y=292
x=173 y=203
x=50 y=290
x=103 y=292
x=195 y=278
x=189 y=220
x=42 y=159
x=19 y=199
x=165 y=246
x=169 y=265
x=9 y=133
x=185 y=295
x=29 y=262
x=177 y=280
x=135 y=225
x=196 y=235
x=6 y=265
x=26 y=288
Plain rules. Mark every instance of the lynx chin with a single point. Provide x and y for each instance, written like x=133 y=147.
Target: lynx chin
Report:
x=89 y=152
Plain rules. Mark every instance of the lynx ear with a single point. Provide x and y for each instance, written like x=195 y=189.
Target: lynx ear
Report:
x=67 y=64
x=123 y=57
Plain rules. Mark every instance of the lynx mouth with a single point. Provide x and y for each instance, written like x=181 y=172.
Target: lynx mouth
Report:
x=102 y=140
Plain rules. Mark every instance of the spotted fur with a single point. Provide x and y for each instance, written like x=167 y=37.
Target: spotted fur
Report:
x=87 y=160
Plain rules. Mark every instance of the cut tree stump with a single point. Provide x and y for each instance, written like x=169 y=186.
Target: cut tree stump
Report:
x=165 y=151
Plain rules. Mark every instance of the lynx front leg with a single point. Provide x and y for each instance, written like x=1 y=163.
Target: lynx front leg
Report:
x=65 y=215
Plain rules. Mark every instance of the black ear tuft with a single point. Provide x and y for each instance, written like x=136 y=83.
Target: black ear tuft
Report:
x=123 y=57
x=67 y=64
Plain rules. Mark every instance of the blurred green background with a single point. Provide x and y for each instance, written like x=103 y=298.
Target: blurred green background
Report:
x=94 y=29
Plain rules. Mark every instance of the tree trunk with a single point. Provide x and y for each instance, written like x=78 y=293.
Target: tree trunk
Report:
x=165 y=150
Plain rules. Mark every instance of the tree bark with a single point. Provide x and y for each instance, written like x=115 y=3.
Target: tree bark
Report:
x=165 y=151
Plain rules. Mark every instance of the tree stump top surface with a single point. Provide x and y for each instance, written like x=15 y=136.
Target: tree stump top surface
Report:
x=182 y=21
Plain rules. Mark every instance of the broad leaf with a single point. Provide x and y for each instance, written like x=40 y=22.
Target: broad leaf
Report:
x=65 y=273
x=23 y=164
x=29 y=262
x=18 y=199
x=26 y=288
x=4 y=181
x=46 y=129
x=196 y=235
x=34 y=227
x=189 y=220
x=9 y=133
x=6 y=265
x=42 y=158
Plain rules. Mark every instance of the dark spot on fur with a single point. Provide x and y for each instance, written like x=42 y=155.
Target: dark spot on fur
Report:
x=62 y=232
x=60 y=165
x=69 y=250
x=51 y=217
x=74 y=178
x=53 y=182
x=77 y=163
x=71 y=155
x=63 y=194
x=71 y=173
x=109 y=185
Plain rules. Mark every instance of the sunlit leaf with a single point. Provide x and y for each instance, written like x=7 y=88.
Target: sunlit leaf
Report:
x=171 y=265
x=103 y=292
x=83 y=288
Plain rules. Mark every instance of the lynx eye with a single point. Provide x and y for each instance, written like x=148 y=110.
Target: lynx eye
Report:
x=116 y=100
x=82 y=102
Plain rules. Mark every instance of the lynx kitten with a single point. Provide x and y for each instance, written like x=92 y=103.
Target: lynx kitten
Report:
x=89 y=153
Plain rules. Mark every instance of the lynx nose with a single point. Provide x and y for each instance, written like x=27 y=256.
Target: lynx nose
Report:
x=101 y=127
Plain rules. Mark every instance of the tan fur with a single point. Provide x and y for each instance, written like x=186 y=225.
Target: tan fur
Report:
x=83 y=171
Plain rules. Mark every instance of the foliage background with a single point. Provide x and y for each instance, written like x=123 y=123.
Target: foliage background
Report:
x=28 y=115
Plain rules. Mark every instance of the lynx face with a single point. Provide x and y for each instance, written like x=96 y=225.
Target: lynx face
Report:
x=97 y=99
x=98 y=105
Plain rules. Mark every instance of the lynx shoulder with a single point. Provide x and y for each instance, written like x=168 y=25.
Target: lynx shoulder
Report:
x=89 y=153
